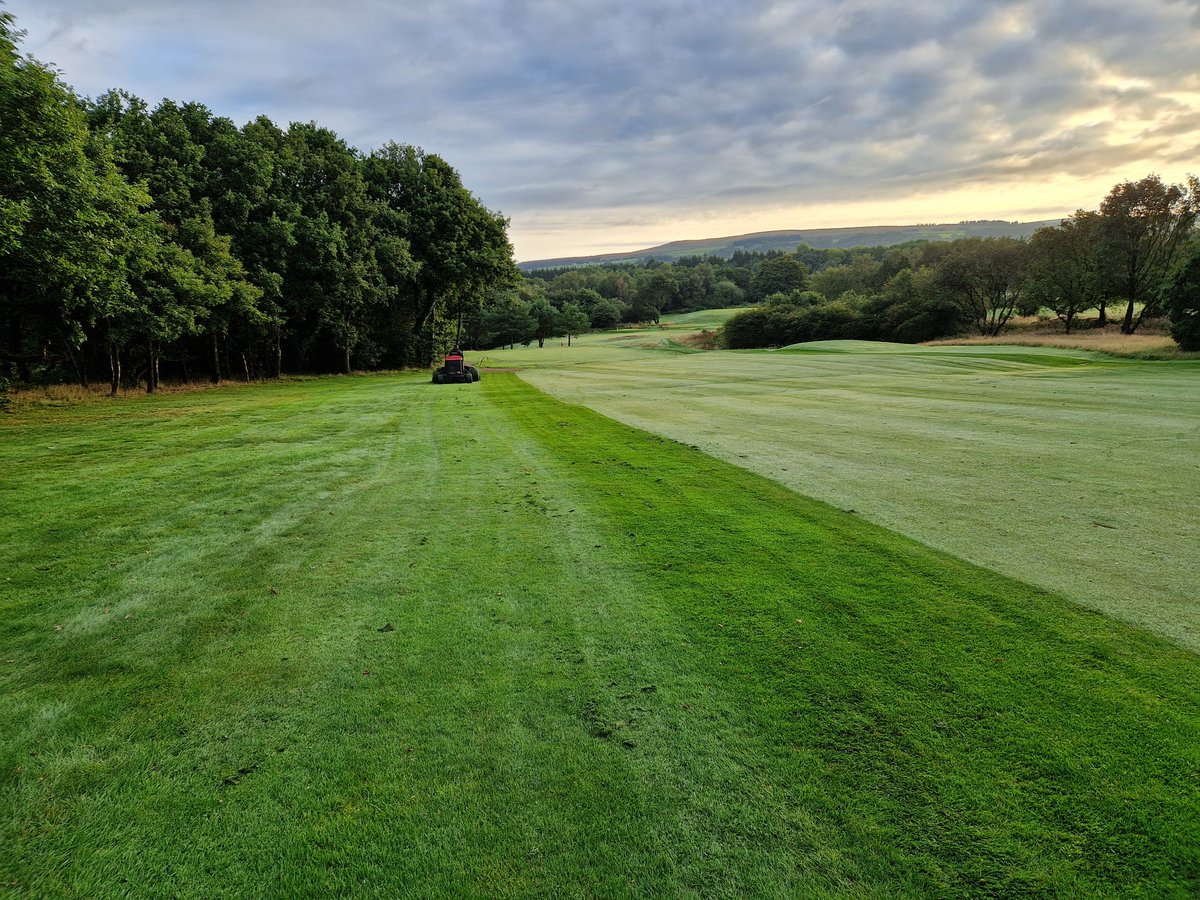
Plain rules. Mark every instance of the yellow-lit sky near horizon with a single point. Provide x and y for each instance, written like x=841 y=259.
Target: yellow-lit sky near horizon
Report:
x=1055 y=198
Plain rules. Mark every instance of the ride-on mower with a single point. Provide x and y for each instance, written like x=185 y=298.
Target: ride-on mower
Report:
x=455 y=370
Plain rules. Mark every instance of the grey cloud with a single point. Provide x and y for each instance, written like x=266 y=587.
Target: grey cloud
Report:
x=595 y=111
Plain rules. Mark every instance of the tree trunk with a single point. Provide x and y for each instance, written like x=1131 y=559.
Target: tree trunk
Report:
x=1127 y=325
x=114 y=365
x=216 y=360
x=347 y=360
x=246 y=366
x=423 y=336
x=278 y=354
x=568 y=339
x=541 y=342
x=1102 y=320
x=76 y=363
x=151 y=368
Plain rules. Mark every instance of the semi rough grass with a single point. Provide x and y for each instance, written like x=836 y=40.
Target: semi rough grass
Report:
x=608 y=664
x=1072 y=470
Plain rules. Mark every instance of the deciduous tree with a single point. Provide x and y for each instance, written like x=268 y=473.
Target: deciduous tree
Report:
x=572 y=321
x=985 y=276
x=778 y=275
x=1065 y=264
x=1181 y=298
x=460 y=248
x=1144 y=226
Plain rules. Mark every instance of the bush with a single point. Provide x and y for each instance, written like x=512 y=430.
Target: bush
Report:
x=911 y=320
x=749 y=329
x=780 y=324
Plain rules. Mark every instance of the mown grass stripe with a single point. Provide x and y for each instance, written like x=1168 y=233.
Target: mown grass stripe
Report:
x=595 y=681
x=996 y=737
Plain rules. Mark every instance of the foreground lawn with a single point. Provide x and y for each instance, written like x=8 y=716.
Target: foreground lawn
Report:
x=374 y=636
x=1071 y=470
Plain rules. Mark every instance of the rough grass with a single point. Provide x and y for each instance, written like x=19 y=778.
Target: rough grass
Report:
x=373 y=636
x=1070 y=469
x=1103 y=340
x=31 y=399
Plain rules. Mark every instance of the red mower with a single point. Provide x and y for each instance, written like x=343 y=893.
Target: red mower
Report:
x=455 y=370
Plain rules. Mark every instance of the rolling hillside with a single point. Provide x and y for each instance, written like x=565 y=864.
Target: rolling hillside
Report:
x=857 y=236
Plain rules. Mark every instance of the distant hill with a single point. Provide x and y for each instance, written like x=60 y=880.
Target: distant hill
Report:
x=822 y=238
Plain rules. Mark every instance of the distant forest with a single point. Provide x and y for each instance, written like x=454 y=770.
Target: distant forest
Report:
x=141 y=243
x=1135 y=259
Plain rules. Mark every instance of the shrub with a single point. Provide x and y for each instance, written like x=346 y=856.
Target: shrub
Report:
x=780 y=324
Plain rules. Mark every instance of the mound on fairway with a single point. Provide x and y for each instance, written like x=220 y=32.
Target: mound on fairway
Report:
x=369 y=635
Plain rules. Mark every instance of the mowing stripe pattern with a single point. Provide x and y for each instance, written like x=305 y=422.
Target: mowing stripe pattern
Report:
x=378 y=637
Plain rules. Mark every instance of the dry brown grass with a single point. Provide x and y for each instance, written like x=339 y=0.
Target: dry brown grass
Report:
x=700 y=340
x=59 y=395
x=1149 y=344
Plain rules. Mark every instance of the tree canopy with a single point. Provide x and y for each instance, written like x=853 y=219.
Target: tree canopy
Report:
x=133 y=238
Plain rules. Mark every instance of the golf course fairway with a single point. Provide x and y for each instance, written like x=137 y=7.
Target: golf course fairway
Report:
x=365 y=635
x=1068 y=469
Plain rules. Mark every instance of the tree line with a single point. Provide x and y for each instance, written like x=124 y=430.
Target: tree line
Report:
x=565 y=301
x=1134 y=259
x=1138 y=255
x=139 y=241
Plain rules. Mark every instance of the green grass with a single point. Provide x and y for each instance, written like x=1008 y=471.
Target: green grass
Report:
x=702 y=318
x=1069 y=469
x=616 y=666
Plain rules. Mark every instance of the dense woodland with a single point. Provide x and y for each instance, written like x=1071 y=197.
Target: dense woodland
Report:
x=138 y=243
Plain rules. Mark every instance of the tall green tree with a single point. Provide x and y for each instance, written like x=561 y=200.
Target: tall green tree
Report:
x=985 y=276
x=778 y=275
x=333 y=286
x=261 y=221
x=168 y=151
x=63 y=208
x=169 y=298
x=548 y=323
x=1181 y=298
x=606 y=313
x=572 y=320
x=657 y=290
x=507 y=320
x=460 y=248
x=1145 y=225
x=1065 y=264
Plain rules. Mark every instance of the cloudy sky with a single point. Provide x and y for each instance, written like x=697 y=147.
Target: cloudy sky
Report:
x=599 y=126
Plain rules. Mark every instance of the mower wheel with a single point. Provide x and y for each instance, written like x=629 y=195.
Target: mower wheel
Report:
x=473 y=372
